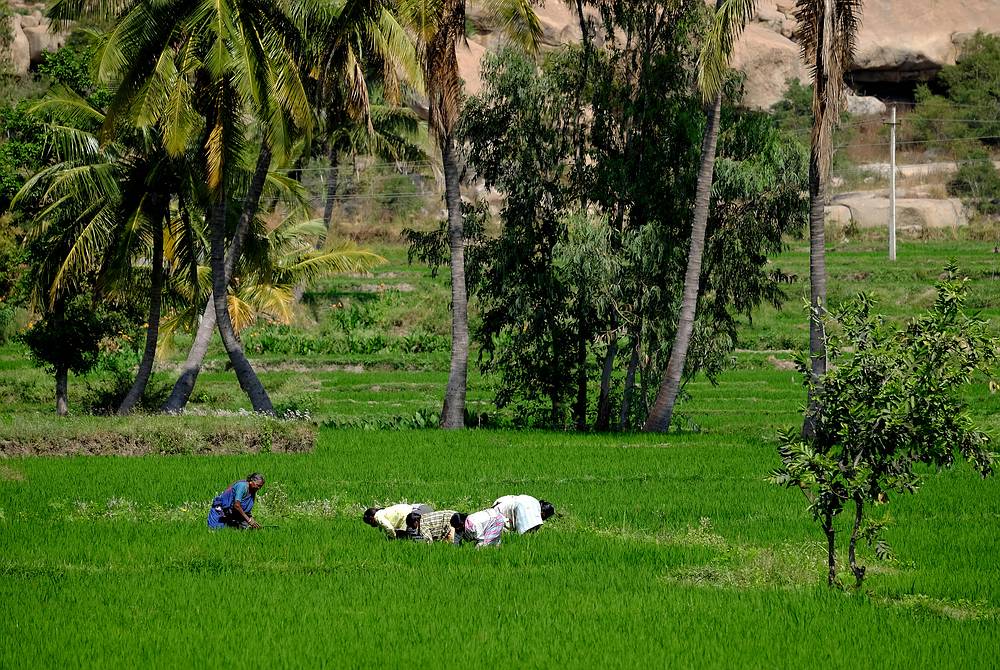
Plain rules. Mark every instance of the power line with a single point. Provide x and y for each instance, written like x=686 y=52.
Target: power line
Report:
x=940 y=141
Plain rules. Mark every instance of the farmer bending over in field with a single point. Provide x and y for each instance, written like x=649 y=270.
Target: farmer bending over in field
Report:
x=431 y=527
x=484 y=527
x=231 y=508
x=524 y=513
x=393 y=519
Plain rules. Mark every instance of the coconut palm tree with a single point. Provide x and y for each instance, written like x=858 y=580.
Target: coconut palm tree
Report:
x=118 y=197
x=336 y=39
x=438 y=26
x=731 y=16
x=199 y=312
x=827 y=32
x=199 y=71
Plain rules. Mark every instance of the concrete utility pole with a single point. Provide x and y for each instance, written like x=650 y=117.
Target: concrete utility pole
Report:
x=892 y=185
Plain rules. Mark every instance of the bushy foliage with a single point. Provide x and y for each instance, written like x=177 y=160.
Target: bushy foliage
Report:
x=70 y=66
x=22 y=147
x=12 y=263
x=890 y=402
x=589 y=261
x=978 y=183
x=968 y=107
x=68 y=337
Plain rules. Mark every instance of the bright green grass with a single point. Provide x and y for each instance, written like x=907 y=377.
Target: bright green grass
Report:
x=902 y=288
x=670 y=552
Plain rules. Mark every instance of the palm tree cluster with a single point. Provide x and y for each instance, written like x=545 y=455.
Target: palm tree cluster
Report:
x=209 y=101
x=164 y=187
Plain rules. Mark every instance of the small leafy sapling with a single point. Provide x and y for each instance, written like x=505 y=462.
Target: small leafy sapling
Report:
x=68 y=339
x=891 y=400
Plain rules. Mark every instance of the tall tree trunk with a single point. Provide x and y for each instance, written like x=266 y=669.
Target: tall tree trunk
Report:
x=826 y=83
x=220 y=297
x=62 y=381
x=453 y=414
x=580 y=406
x=663 y=408
x=184 y=386
x=331 y=192
x=629 y=389
x=817 y=288
x=152 y=323
x=603 y=422
x=831 y=549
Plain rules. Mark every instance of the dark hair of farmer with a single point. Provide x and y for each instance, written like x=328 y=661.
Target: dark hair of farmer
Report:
x=412 y=520
x=547 y=509
x=369 y=516
x=458 y=521
x=256 y=481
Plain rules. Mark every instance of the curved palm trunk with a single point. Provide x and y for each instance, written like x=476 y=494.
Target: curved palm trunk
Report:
x=62 y=381
x=152 y=326
x=184 y=386
x=663 y=408
x=453 y=414
x=248 y=379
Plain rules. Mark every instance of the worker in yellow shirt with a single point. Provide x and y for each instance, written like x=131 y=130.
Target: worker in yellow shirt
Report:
x=392 y=519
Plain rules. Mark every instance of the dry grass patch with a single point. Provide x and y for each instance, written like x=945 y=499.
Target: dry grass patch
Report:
x=145 y=435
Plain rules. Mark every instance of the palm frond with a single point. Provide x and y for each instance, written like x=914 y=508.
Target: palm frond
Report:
x=728 y=22
x=517 y=19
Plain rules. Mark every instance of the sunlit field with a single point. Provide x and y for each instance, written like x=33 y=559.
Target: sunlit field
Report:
x=667 y=550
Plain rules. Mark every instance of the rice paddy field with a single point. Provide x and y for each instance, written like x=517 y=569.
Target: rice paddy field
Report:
x=668 y=551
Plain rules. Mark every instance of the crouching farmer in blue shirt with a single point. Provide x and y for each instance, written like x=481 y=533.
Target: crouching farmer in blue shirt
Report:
x=231 y=508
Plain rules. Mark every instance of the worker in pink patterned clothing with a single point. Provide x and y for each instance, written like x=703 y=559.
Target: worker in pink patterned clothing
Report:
x=484 y=527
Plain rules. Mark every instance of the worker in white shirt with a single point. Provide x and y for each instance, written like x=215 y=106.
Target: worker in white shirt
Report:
x=524 y=514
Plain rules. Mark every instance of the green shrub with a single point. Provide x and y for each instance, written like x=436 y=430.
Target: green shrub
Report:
x=891 y=402
x=978 y=183
x=970 y=105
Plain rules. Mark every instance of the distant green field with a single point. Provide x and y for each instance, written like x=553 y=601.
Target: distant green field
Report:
x=669 y=551
x=901 y=288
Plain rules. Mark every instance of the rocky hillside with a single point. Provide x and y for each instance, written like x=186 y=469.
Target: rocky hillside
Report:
x=31 y=35
x=901 y=42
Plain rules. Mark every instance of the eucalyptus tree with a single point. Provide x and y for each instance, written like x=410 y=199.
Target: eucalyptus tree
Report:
x=827 y=30
x=730 y=17
x=537 y=299
x=438 y=27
